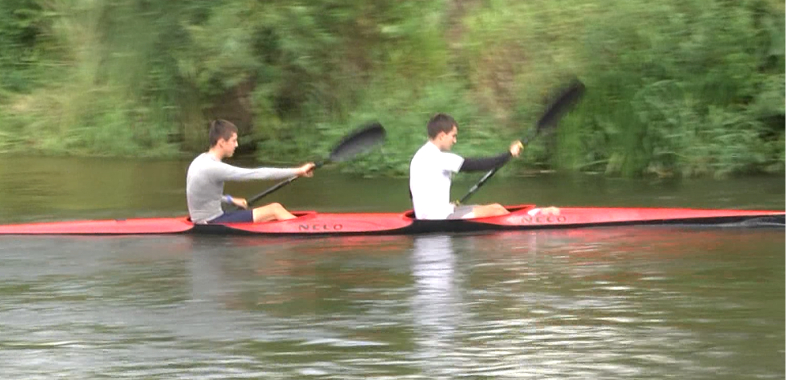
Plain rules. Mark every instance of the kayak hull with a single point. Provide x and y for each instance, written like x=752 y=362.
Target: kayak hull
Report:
x=522 y=217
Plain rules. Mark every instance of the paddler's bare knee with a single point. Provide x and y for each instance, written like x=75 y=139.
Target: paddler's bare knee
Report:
x=281 y=212
x=494 y=209
x=273 y=211
x=498 y=209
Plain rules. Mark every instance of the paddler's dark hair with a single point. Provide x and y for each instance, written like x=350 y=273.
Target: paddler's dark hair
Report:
x=440 y=122
x=220 y=129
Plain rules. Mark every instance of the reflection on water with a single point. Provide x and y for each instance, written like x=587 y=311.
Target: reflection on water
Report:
x=613 y=303
x=436 y=304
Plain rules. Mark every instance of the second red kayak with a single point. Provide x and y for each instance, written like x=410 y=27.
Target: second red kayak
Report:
x=522 y=217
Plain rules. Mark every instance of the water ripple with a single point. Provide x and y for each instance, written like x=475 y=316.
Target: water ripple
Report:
x=602 y=304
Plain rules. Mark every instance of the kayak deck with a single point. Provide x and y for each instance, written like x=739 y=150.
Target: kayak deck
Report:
x=522 y=217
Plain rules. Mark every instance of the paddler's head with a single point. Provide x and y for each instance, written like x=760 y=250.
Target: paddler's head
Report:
x=442 y=131
x=223 y=138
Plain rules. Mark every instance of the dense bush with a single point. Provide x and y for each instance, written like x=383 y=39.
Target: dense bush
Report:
x=688 y=87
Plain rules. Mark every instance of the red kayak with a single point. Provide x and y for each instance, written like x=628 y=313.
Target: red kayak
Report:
x=522 y=217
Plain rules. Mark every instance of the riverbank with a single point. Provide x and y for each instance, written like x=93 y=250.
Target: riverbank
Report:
x=682 y=89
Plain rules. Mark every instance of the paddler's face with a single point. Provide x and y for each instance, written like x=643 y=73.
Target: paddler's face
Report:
x=445 y=141
x=228 y=146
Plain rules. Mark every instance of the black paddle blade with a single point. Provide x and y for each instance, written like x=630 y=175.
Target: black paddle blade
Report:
x=358 y=142
x=566 y=98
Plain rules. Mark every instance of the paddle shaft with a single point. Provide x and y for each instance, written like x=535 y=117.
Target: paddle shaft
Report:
x=280 y=185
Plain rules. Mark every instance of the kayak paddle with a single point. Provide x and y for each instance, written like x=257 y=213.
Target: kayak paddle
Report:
x=566 y=99
x=359 y=141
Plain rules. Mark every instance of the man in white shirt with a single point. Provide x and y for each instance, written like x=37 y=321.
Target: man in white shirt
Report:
x=431 y=169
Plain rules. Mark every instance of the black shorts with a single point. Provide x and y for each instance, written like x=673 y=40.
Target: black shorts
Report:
x=239 y=216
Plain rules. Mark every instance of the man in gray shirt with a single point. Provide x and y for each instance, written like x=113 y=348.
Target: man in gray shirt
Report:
x=207 y=174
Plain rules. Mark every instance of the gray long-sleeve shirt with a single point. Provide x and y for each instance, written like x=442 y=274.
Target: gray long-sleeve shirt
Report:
x=205 y=184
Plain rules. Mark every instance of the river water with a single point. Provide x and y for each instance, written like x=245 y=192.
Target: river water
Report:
x=605 y=303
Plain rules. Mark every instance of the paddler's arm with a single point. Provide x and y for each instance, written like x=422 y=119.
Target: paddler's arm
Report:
x=488 y=163
x=484 y=163
x=239 y=202
x=226 y=172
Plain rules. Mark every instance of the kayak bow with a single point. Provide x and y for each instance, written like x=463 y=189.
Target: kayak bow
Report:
x=522 y=217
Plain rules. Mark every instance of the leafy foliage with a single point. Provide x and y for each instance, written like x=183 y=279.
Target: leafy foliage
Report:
x=688 y=87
